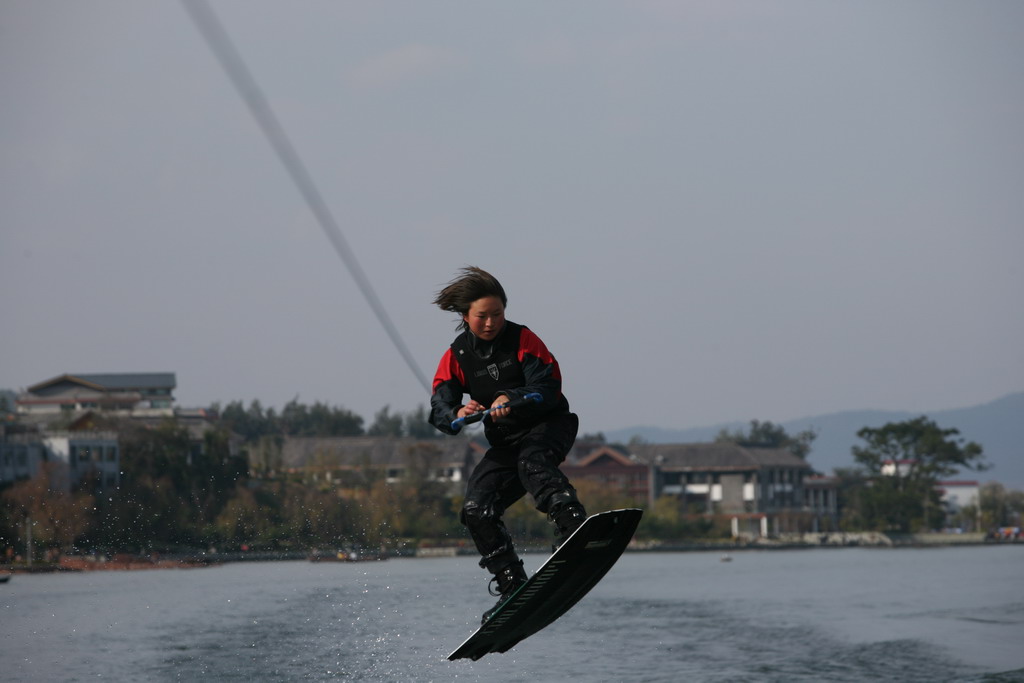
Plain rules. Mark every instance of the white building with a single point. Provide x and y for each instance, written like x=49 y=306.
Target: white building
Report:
x=134 y=394
x=957 y=495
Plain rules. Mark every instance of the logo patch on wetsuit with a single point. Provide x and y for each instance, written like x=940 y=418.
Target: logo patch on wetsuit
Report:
x=494 y=369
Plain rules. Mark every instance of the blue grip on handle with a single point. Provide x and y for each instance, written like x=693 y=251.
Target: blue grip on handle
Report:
x=476 y=417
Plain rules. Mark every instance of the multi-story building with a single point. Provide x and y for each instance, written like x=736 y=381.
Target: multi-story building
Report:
x=133 y=394
x=92 y=457
x=762 y=489
x=74 y=458
x=21 y=456
x=821 y=501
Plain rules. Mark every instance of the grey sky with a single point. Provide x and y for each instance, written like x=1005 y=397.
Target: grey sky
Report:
x=710 y=211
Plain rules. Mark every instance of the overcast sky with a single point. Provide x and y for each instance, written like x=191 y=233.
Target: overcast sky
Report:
x=710 y=211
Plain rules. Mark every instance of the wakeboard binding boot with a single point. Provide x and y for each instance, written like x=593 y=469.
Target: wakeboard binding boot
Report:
x=567 y=515
x=505 y=582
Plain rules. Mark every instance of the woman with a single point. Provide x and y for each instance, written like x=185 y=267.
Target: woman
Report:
x=495 y=362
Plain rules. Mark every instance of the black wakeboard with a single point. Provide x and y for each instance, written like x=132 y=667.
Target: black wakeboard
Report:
x=560 y=583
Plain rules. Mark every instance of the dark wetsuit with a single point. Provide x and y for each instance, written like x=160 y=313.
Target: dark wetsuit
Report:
x=526 y=446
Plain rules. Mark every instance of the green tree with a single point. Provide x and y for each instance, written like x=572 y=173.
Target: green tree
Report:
x=852 y=482
x=266 y=455
x=999 y=507
x=172 y=489
x=313 y=517
x=152 y=508
x=250 y=423
x=334 y=421
x=245 y=519
x=770 y=435
x=902 y=462
x=58 y=515
x=296 y=419
x=386 y=424
x=416 y=425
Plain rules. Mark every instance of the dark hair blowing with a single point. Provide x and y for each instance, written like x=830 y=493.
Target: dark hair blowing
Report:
x=471 y=284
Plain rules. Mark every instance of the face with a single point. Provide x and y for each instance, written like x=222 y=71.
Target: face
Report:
x=486 y=317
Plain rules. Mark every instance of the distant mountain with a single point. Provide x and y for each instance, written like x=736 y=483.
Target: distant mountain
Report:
x=998 y=426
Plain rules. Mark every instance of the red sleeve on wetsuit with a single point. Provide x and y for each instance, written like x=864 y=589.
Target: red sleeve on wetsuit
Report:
x=448 y=369
x=530 y=344
x=446 y=397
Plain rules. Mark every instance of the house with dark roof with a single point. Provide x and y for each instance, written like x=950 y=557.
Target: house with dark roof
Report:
x=763 y=489
x=135 y=394
x=613 y=470
x=726 y=478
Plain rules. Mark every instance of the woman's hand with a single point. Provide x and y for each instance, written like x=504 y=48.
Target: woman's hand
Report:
x=474 y=407
x=470 y=408
x=496 y=409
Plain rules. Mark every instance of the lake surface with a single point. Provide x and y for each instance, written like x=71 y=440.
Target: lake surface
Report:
x=944 y=614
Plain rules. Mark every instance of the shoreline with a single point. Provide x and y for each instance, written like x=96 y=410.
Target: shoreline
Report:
x=79 y=563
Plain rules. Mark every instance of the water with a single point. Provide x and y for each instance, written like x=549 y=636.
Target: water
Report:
x=948 y=614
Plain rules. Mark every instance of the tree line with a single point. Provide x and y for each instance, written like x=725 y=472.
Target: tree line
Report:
x=893 y=487
x=319 y=419
x=177 y=495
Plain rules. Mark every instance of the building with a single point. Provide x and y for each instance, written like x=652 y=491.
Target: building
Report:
x=897 y=468
x=763 y=489
x=74 y=420
x=92 y=457
x=133 y=394
x=821 y=501
x=727 y=478
x=21 y=457
x=614 y=470
x=957 y=495
x=76 y=458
